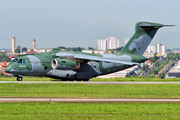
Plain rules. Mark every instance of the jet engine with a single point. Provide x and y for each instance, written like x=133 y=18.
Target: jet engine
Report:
x=64 y=64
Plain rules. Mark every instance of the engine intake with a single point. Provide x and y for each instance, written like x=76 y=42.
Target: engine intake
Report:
x=64 y=64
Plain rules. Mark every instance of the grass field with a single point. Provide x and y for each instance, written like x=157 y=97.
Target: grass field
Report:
x=93 y=79
x=90 y=90
x=82 y=111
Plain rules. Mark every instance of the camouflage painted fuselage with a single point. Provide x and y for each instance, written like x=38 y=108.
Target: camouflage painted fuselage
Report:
x=41 y=65
x=83 y=66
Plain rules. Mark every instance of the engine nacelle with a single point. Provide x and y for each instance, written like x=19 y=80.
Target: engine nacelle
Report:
x=64 y=64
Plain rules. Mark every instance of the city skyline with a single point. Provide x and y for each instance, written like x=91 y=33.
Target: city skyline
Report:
x=108 y=43
x=81 y=23
x=100 y=46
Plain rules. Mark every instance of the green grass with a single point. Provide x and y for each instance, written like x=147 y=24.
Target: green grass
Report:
x=26 y=79
x=134 y=79
x=93 y=79
x=82 y=111
x=90 y=90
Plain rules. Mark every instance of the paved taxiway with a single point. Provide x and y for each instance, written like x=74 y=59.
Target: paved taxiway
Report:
x=90 y=82
x=87 y=100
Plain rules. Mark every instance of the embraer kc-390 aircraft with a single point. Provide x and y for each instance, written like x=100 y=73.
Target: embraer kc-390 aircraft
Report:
x=84 y=66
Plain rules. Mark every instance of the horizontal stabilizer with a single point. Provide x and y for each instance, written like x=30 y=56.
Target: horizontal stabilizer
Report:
x=157 y=25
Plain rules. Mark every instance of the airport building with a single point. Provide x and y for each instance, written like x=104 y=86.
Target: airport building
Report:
x=175 y=71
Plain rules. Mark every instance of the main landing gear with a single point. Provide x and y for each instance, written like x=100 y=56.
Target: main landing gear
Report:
x=19 y=78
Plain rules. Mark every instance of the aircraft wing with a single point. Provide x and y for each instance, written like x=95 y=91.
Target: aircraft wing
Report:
x=64 y=54
x=95 y=58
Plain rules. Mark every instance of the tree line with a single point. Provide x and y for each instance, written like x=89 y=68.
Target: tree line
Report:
x=79 y=49
x=4 y=57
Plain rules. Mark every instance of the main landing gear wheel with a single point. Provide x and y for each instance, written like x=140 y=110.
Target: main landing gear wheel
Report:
x=19 y=78
x=78 y=80
x=86 y=80
x=63 y=79
x=71 y=80
x=82 y=80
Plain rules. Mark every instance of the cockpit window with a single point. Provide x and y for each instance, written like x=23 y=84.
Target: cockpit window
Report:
x=15 y=60
x=20 y=61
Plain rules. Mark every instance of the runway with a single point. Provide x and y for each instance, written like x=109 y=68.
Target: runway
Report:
x=88 y=100
x=89 y=82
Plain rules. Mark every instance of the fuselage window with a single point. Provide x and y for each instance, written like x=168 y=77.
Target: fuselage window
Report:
x=24 y=61
x=20 y=61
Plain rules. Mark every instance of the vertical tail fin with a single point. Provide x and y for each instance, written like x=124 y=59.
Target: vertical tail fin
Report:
x=144 y=33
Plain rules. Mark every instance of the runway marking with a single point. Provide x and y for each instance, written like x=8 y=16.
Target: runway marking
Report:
x=88 y=100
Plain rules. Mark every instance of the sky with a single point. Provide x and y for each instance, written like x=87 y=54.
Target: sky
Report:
x=80 y=23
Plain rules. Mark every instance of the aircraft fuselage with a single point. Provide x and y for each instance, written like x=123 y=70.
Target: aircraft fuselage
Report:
x=41 y=65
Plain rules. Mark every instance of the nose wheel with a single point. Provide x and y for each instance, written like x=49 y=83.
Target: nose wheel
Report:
x=19 y=78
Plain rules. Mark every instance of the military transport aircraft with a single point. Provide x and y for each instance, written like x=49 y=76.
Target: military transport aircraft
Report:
x=83 y=66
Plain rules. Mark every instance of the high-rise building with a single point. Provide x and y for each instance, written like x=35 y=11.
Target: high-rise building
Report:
x=148 y=49
x=163 y=49
x=153 y=49
x=108 y=43
x=13 y=44
x=126 y=41
x=102 y=44
x=112 y=43
x=158 y=48
x=34 y=43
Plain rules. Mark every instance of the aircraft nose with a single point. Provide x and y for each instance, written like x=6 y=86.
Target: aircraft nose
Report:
x=8 y=69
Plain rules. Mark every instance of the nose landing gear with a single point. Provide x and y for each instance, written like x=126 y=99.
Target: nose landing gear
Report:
x=19 y=78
